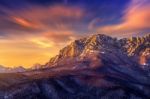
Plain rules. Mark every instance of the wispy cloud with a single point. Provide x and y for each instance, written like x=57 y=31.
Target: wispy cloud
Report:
x=136 y=18
x=24 y=22
x=39 y=18
x=43 y=26
x=51 y=15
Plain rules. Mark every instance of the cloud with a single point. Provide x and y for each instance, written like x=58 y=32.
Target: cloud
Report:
x=44 y=27
x=53 y=38
x=24 y=22
x=92 y=24
x=50 y=14
x=59 y=37
x=42 y=42
x=21 y=51
x=37 y=19
x=136 y=19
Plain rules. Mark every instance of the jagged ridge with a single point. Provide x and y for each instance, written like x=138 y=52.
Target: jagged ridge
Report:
x=134 y=46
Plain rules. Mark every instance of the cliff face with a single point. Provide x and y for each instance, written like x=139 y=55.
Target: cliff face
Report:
x=85 y=45
x=137 y=47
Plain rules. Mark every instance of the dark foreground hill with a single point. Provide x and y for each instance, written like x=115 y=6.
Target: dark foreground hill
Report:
x=96 y=67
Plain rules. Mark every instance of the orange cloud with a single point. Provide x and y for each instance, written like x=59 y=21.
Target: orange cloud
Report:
x=39 y=18
x=54 y=13
x=58 y=36
x=26 y=23
x=41 y=42
x=22 y=22
x=57 y=11
x=136 y=18
x=29 y=49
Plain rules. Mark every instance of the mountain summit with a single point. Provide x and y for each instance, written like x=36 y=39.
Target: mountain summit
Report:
x=137 y=47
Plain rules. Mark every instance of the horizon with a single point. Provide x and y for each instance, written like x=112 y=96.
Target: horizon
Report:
x=35 y=30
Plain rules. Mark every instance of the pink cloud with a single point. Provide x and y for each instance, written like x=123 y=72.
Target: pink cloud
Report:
x=25 y=23
x=48 y=22
x=39 y=14
x=136 y=19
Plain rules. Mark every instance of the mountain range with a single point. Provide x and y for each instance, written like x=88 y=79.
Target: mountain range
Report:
x=94 y=67
x=4 y=69
x=136 y=48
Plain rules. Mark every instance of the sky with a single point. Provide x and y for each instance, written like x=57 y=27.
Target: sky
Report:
x=32 y=31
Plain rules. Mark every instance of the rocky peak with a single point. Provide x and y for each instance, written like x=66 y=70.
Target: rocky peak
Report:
x=134 y=45
x=93 y=42
x=138 y=47
x=101 y=43
x=85 y=45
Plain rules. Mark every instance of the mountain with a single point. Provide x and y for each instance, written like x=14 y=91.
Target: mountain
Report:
x=4 y=69
x=79 y=48
x=95 y=67
x=36 y=66
x=137 y=47
x=18 y=69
